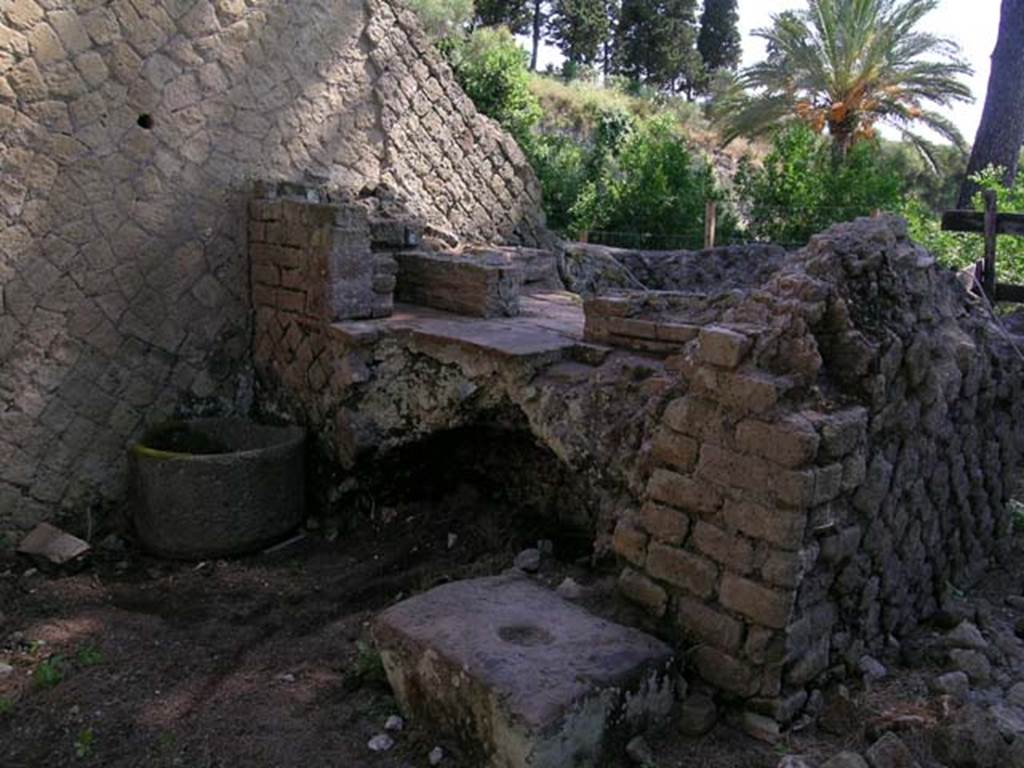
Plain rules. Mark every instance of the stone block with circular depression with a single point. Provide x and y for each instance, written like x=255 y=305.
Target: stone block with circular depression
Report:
x=216 y=487
x=537 y=681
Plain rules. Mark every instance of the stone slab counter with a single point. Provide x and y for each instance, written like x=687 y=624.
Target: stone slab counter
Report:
x=517 y=672
x=129 y=134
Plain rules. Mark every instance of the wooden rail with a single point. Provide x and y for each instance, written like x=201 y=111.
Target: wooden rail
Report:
x=991 y=224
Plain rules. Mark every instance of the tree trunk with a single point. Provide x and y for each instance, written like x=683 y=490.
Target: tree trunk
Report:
x=1001 y=132
x=538 y=27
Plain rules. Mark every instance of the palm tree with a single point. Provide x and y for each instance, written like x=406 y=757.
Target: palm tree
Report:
x=847 y=65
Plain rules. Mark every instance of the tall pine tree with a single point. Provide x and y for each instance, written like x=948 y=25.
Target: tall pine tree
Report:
x=719 y=40
x=517 y=15
x=656 y=44
x=580 y=29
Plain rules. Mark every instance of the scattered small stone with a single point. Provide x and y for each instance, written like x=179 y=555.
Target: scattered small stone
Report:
x=453 y=539
x=846 y=760
x=872 y=669
x=955 y=684
x=528 y=560
x=639 y=751
x=394 y=723
x=436 y=756
x=794 y=761
x=50 y=543
x=287 y=677
x=1008 y=720
x=975 y=664
x=380 y=743
x=5 y=669
x=697 y=715
x=112 y=543
x=967 y=635
x=890 y=752
x=761 y=727
x=1015 y=696
x=1016 y=602
x=569 y=589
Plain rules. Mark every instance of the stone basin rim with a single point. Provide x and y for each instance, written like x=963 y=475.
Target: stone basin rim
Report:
x=291 y=436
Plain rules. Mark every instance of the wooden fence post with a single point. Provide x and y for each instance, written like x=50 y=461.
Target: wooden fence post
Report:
x=710 y=222
x=991 y=219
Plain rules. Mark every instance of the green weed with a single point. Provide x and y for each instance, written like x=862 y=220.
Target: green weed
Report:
x=49 y=673
x=84 y=743
x=89 y=656
x=6 y=705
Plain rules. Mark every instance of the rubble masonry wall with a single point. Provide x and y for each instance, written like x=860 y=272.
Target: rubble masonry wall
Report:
x=129 y=133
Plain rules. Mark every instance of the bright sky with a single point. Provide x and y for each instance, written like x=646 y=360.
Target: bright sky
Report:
x=973 y=24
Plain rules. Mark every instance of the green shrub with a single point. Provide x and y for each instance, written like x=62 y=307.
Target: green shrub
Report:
x=800 y=189
x=646 y=188
x=443 y=19
x=49 y=673
x=493 y=71
x=960 y=250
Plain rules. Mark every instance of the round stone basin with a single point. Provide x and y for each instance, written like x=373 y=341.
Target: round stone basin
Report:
x=216 y=487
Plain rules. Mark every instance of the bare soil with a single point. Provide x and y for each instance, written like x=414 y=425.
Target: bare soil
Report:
x=264 y=660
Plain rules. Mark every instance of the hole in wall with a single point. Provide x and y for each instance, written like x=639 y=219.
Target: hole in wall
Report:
x=145 y=121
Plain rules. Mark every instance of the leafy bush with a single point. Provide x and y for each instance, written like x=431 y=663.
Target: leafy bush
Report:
x=561 y=165
x=494 y=72
x=443 y=19
x=960 y=250
x=645 y=180
x=802 y=189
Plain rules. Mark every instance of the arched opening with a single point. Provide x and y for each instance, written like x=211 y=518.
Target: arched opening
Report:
x=495 y=489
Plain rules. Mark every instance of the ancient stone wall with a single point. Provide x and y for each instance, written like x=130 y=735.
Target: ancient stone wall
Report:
x=840 y=461
x=129 y=133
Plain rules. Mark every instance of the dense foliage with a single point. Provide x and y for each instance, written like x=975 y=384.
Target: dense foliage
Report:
x=800 y=189
x=962 y=250
x=619 y=162
x=492 y=70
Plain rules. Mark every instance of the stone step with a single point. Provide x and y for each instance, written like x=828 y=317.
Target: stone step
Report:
x=519 y=675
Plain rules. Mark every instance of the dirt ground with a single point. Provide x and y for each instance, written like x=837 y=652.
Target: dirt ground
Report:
x=263 y=661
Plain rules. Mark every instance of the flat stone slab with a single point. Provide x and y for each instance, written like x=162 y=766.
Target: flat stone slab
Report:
x=52 y=544
x=505 y=665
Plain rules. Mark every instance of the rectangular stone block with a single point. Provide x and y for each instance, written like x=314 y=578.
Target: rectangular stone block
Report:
x=686 y=493
x=629 y=543
x=528 y=678
x=730 y=550
x=725 y=671
x=665 y=524
x=641 y=590
x=782 y=527
x=682 y=569
x=709 y=625
x=466 y=285
x=672 y=448
x=722 y=346
x=768 y=607
x=791 y=442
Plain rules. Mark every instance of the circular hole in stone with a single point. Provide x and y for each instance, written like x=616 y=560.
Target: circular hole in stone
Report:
x=145 y=121
x=525 y=635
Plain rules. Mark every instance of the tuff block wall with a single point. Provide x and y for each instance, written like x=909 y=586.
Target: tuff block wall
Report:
x=129 y=133
x=842 y=457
